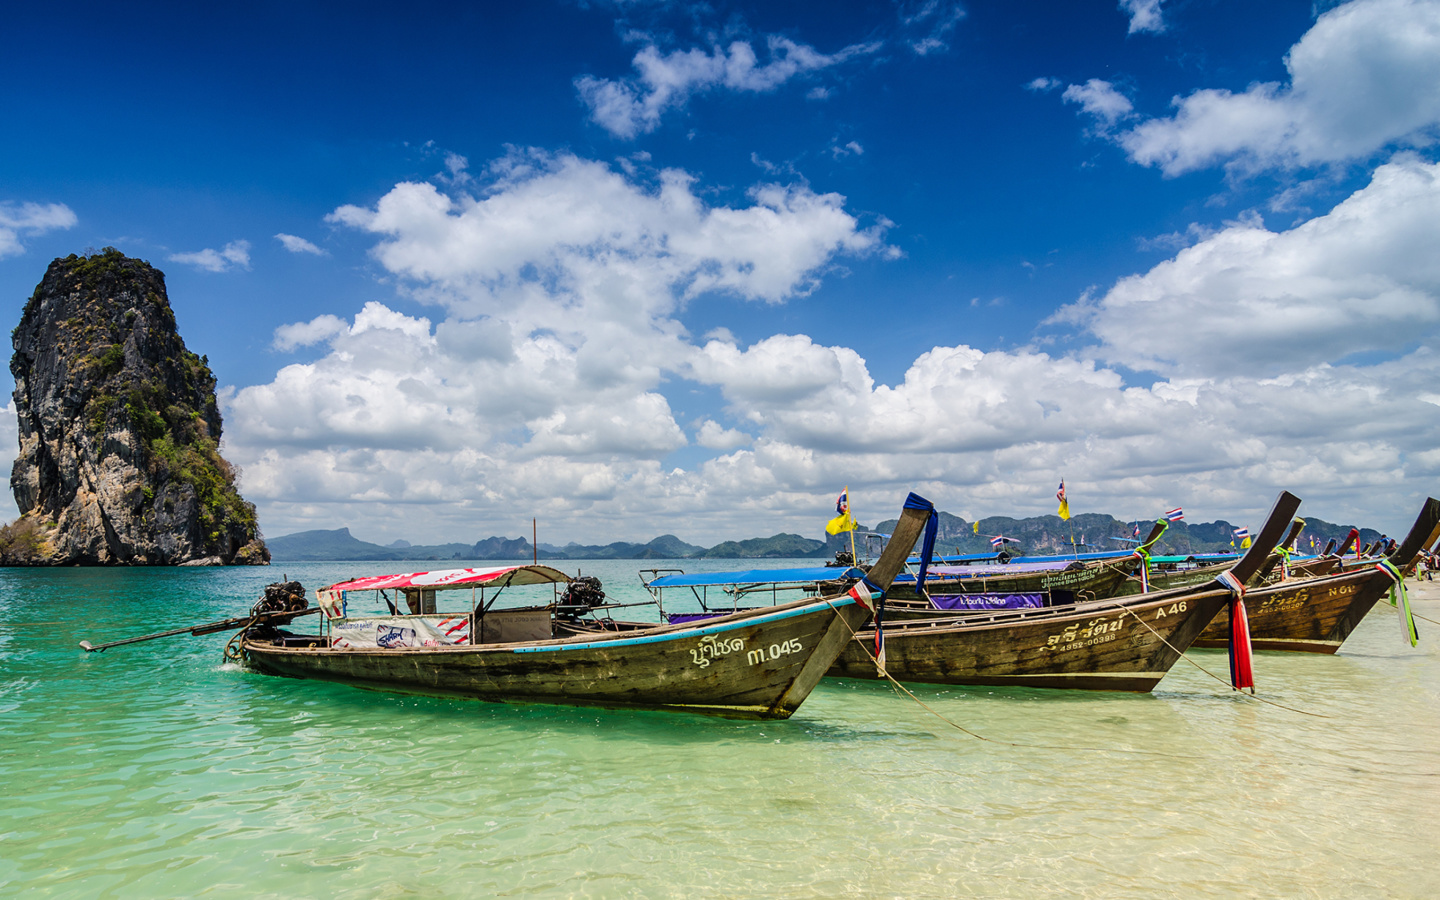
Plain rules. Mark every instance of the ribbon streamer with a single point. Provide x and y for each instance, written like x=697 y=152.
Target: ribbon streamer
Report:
x=1400 y=599
x=1242 y=673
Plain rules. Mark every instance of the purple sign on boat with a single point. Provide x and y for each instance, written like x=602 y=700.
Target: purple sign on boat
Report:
x=987 y=601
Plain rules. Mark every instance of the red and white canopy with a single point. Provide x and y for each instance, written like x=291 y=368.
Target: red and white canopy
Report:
x=451 y=579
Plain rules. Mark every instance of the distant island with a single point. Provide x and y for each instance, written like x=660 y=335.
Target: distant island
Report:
x=1038 y=534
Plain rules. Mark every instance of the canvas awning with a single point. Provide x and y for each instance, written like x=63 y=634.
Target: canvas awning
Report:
x=452 y=579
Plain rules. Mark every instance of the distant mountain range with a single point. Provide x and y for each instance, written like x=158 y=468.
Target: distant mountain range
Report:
x=340 y=545
x=1093 y=532
x=1090 y=532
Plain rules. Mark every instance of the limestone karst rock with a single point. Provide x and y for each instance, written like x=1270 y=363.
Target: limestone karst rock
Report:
x=119 y=430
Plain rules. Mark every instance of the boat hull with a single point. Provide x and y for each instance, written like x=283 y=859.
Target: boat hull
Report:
x=756 y=665
x=1305 y=615
x=1100 y=646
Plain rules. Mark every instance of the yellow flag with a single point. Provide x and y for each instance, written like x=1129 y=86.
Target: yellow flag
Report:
x=976 y=527
x=1064 y=510
x=842 y=522
x=1245 y=544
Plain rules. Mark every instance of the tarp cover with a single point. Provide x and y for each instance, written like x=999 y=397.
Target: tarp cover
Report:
x=451 y=579
x=987 y=601
x=757 y=576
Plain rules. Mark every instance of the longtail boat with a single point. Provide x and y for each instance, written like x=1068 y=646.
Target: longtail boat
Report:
x=759 y=663
x=1027 y=582
x=1122 y=644
x=1317 y=614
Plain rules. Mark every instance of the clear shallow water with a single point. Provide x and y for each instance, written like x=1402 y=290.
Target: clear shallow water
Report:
x=157 y=770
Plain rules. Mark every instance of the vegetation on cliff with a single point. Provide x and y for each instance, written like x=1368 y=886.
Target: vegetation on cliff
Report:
x=119 y=429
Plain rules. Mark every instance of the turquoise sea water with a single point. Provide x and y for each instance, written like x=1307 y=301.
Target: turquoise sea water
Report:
x=156 y=770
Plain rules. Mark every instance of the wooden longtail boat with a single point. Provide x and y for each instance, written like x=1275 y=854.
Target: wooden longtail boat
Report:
x=1062 y=580
x=759 y=663
x=1123 y=644
x=1029 y=582
x=1316 y=615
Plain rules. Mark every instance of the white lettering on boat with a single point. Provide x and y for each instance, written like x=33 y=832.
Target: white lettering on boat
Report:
x=1174 y=610
x=712 y=647
x=774 y=651
x=1095 y=631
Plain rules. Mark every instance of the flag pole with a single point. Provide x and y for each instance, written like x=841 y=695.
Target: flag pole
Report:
x=850 y=508
x=1068 y=521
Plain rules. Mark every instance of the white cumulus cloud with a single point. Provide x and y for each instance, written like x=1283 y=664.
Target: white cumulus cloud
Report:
x=628 y=107
x=234 y=255
x=717 y=437
x=1365 y=77
x=1145 y=15
x=1362 y=277
x=20 y=219
x=541 y=386
x=1101 y=100
x=298 y=244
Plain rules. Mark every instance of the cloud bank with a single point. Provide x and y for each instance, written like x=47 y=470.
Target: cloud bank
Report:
x=542 y=386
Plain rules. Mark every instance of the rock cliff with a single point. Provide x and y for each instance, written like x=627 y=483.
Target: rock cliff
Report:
x=119 y=430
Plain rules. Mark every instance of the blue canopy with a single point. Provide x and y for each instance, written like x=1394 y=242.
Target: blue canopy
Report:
x=1197 y=557
x=1103 y=554
x=962 y=558
x=757 y=576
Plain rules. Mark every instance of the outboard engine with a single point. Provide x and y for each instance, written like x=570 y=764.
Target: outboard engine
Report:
x=581 y=595
x=282 y=596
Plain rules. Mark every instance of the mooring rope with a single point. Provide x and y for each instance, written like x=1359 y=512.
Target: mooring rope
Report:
x=1185 y=656
x=855 y=636
x=1070 y=747
x=232 y=652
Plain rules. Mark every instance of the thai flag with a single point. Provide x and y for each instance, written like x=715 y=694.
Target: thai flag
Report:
x=1175 y=515
x=1137 y=530
x=842 y=504
x=1242 y=533
x=1060 y=494
x=997 y=542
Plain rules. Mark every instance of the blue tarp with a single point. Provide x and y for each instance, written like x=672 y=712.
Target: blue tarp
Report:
x=757 y=576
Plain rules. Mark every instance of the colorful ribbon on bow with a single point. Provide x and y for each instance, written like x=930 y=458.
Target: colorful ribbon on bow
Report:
x=1400 y=599
x=1242 y=673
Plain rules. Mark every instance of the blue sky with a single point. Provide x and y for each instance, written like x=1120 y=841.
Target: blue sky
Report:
x=638 y=268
